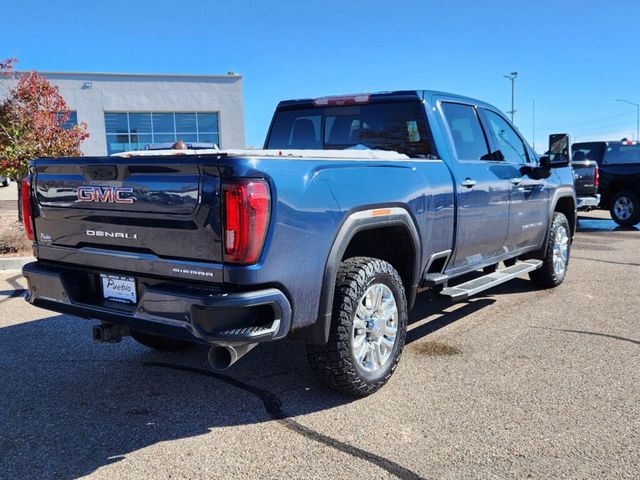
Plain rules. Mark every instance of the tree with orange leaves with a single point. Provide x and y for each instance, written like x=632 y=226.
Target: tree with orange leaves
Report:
x=32 y=123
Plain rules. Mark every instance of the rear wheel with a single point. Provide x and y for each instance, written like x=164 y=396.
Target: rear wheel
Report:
x=625 y=208
x=368 y=328
x=157 y=342
x=556 y=259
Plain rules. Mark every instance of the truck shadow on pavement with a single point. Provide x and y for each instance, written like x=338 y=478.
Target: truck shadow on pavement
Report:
x=594 y=225
x=70 y=406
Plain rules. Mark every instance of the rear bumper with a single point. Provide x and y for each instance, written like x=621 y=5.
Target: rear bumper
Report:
x=196 y=313
x=588 y=202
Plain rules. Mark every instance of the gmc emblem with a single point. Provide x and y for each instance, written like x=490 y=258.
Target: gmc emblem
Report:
x=89 y=193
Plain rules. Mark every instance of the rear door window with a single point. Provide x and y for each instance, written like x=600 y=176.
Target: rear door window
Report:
x=466 y=131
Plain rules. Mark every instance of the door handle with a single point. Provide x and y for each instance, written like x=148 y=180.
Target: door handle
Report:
x=516 y=180
x=468 y=182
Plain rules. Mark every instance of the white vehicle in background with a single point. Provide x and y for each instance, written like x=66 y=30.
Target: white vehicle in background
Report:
x=4 y=181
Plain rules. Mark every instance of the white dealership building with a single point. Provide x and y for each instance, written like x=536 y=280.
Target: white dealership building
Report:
x=129 y=111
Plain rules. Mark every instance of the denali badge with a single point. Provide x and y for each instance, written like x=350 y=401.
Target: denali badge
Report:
x=101 y=233
x=90 y=193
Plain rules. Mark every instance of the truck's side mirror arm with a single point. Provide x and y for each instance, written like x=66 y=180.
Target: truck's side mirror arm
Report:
x=545 y=162
x=542 y=170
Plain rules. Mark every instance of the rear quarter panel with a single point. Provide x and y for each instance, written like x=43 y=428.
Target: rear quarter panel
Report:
x=312 y=198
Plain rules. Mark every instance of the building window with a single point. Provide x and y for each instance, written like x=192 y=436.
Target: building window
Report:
x=135 y=130
x=73 y=119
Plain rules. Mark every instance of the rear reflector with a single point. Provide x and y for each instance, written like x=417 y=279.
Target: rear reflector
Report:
x=247 y=206
x=25 y=194
x=344 y=100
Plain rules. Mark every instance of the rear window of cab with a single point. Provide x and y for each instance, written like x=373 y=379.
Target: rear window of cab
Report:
x=399 y=127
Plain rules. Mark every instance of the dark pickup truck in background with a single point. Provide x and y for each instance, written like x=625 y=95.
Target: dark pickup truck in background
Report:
x=586 y=176
x=326 y=236
x=619 y=172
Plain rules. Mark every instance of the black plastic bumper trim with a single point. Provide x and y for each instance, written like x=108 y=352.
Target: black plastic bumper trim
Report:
x=167 y=312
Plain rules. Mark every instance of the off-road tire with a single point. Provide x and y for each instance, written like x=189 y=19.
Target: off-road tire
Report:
x=546 y=275
x=334 y=363
x=157 y=342
x=635 y=205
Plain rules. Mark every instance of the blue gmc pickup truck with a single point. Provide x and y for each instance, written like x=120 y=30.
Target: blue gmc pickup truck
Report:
x=325 y=236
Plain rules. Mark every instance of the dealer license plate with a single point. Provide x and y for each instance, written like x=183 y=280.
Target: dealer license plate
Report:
x=119 y=289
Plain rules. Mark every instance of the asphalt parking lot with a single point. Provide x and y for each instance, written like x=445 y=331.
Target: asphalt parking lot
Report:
x=516 y=383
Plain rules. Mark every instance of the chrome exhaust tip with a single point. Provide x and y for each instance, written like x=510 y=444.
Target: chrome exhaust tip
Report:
x=222 y=357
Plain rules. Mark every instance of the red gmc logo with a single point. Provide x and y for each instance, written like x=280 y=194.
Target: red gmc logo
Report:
x=90 y=193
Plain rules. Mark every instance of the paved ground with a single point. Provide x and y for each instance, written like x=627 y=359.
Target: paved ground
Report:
x=546 y=384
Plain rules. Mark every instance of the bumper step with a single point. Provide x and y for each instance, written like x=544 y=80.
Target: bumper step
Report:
x=248 y=334
x=480 y=284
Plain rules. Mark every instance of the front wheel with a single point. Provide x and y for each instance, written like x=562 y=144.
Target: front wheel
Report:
x=625 y=208
x=556 y=258
x=368 y=328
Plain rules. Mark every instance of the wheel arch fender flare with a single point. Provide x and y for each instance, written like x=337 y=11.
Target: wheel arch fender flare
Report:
x=560 y=194
x=563 y=194
x=356 y=221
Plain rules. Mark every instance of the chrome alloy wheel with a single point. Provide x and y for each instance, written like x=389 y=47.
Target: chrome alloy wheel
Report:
x=560 y=250
x=623 y=208
x=375 y=328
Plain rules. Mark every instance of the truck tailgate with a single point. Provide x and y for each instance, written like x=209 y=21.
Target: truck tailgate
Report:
x=584 y=177
x=164 y=206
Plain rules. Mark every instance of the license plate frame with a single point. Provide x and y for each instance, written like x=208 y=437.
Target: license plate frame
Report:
x=119 y=288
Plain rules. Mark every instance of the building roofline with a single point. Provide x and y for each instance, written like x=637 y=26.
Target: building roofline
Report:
x=122 y=74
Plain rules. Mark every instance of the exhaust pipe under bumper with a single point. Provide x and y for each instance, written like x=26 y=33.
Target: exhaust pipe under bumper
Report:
x=222 y=357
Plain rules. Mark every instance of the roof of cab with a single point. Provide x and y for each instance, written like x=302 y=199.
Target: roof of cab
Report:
x=376 y=97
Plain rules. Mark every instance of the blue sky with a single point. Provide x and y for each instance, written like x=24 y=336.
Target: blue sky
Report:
x=575 y=58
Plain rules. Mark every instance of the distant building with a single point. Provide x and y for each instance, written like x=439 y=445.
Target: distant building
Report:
x=128 y=111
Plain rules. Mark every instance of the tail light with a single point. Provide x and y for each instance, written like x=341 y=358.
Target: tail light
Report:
x=25 y=194
x=247 y=207
x=596 y=177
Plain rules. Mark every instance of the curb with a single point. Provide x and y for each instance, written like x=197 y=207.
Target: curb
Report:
x=14 y=263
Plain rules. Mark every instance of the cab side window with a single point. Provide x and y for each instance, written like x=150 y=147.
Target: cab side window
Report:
x=508 y=142
x=466 y=131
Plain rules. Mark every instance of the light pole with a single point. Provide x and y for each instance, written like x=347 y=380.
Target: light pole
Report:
x=637 y=116
x=533 y=128
x=512 y=77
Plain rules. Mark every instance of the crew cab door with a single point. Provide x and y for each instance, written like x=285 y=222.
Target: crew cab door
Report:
x=482 y=189
x=528 y=210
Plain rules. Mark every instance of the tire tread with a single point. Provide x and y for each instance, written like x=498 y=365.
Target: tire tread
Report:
x=332 y=362
x=545 y=276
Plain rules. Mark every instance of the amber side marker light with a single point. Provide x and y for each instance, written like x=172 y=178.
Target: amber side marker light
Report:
x=382 y=211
